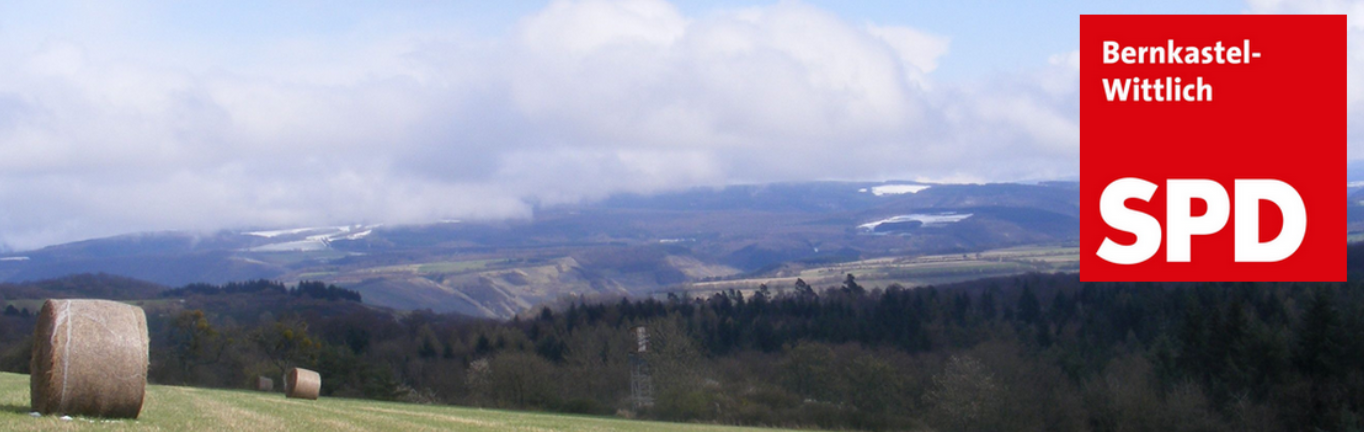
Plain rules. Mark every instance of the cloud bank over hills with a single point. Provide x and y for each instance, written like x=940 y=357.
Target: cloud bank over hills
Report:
x=138 y=118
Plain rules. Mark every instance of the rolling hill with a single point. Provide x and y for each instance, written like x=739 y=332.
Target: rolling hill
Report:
x=623 y=245
x=187 y=408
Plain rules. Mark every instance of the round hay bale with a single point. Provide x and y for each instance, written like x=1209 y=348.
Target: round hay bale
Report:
x=89 y=358
x=265 y=384
x=302 y=384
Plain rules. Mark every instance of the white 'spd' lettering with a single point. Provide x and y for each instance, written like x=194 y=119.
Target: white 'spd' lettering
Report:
x=1181 y=225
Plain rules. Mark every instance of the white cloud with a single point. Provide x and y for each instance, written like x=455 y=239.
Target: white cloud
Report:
x=109 y=130
x=919 y=52
x=584 y=27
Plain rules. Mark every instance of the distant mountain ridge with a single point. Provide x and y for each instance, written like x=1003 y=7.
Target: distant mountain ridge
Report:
x=626 y=244
x=85 y=285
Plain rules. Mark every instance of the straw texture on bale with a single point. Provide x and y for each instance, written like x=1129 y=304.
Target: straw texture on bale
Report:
x=302 y=384
x=89 y=358
x=265 y=384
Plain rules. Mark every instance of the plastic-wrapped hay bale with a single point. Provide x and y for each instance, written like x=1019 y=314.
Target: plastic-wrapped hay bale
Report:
x=89 y=358
x=302 y=384
x=265 y=384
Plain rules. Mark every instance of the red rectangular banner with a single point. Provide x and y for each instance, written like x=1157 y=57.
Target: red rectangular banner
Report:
x=1212 y=148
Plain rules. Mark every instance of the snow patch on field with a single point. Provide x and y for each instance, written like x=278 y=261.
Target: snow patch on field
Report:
x=277 y=233
x=928 y=220
x=293 y=246
x=358 y=235
x=317 y=238
x=895 y=189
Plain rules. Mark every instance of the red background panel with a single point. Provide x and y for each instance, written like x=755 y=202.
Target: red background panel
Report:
x=1282 y=116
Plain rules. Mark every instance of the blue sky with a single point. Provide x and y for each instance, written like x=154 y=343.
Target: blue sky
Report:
x=1007 y=36
x=987 y=36
x=146 y=115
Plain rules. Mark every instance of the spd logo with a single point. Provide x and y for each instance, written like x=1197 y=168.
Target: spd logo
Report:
x=1212 y=148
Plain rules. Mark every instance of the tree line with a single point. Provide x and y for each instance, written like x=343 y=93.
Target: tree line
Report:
x=313 y=289
x=1031 y=352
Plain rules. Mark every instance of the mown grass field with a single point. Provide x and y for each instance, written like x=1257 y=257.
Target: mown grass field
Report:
x=454 y=266
x=917 y=271
x=168 y=408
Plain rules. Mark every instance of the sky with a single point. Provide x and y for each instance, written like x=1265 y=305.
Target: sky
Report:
x=202 y=116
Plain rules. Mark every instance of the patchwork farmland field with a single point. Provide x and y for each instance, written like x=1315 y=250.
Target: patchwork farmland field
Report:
x=913 y=271
x=169 y=408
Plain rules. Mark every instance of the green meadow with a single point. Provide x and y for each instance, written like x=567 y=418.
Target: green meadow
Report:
x=170 y=408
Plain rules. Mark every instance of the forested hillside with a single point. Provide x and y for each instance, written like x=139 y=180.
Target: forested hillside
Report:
x=1035 y=352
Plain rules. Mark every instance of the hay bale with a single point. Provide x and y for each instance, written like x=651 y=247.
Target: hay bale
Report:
x=302 y=384
x=89 y=358
x=265 y=384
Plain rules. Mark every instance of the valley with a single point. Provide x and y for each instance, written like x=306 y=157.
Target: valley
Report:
x=697 y=240
x=692 y=242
